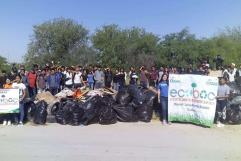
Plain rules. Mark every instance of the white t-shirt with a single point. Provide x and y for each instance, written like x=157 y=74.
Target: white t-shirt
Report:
x=232 y=75
x=19 y=86
x=77 y=77
x=69 y=78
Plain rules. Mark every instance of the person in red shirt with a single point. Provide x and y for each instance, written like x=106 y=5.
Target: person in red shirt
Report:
x=32 y=88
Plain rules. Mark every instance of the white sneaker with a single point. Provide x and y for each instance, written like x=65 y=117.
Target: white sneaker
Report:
x=4 y=123
x=219 y=124
x=9 y=123
x=20 y=124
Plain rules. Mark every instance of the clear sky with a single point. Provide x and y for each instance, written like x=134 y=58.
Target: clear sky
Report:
x=203 y=17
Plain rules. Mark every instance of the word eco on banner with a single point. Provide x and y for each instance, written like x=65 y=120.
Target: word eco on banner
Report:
x=192 y=98
x=9 y=100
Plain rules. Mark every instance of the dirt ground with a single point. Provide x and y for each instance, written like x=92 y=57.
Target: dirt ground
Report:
x=120 y=142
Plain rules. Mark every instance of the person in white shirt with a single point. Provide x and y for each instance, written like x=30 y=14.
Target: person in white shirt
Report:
x=232 y=73
x=77 y=78
x=22 y=93
x=68 y=78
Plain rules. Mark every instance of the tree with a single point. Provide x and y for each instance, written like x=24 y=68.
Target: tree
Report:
x=59 y=40
x=125 y=47
x=4 y=65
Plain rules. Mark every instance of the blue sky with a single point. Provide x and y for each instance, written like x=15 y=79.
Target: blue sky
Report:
x=203 y=17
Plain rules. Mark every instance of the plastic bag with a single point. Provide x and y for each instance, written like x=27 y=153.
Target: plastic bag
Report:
x=144 y=112
x=30 y=107
x=235 y=101
x=123 y=97
x=125 y=113
x=40 y=113
x=136 y=94
x=233 y=114
x=106 y=114
x=70 y=112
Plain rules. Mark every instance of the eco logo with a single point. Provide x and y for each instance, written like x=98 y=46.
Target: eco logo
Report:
x=193 y=93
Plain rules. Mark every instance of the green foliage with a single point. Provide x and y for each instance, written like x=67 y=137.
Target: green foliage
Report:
x=125 y=47
x=67 y=42
x=59 y=40
x=4 y=65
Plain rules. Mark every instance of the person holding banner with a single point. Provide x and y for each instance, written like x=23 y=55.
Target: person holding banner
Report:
x=163 y=97
x=8 y=116
x=222 y=96
x=22 y=93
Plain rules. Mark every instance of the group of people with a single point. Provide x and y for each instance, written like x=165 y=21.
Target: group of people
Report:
x=54 y=79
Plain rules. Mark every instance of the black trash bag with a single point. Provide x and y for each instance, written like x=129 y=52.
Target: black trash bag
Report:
x=235 y=101
x=136 y=94
x=91 y=111
x=40 y=113
x=106 y=114
x=29 y=110
x=123 y=97
x=144 y=112
x=77 y=112
x=69 y=112
x=234 y=87
x=149 y=97
x=51 y=117
x=233 y=114
x=125 y=113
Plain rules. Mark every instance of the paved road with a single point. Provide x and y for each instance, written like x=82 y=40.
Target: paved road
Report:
x=120 y=142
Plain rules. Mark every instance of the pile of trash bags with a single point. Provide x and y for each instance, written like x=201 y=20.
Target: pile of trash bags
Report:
x=130 y=104
x=233 y=109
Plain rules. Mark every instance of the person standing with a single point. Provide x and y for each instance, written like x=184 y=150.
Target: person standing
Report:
x=116 y=80
x=68 y=78
x=99 y=78
x=32 y=88
x=8 y=116
x=122 y=78
x=222 y=97
x=163 y=98
x=133 y=77
x=153 y=76
x=77 y=78
x=22 y=93
x=143 y=77
x=41 y=81
x=90 y=79
x=108 y=78
x=53 y=82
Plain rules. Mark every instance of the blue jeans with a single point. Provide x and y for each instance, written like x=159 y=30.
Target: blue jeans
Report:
x=32 y=92
x=221 y=104
x=21 y=110
x=164 y=106
x=91 y=85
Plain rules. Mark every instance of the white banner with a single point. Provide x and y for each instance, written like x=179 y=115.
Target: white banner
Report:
x=192 y=98
x=9 y=100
